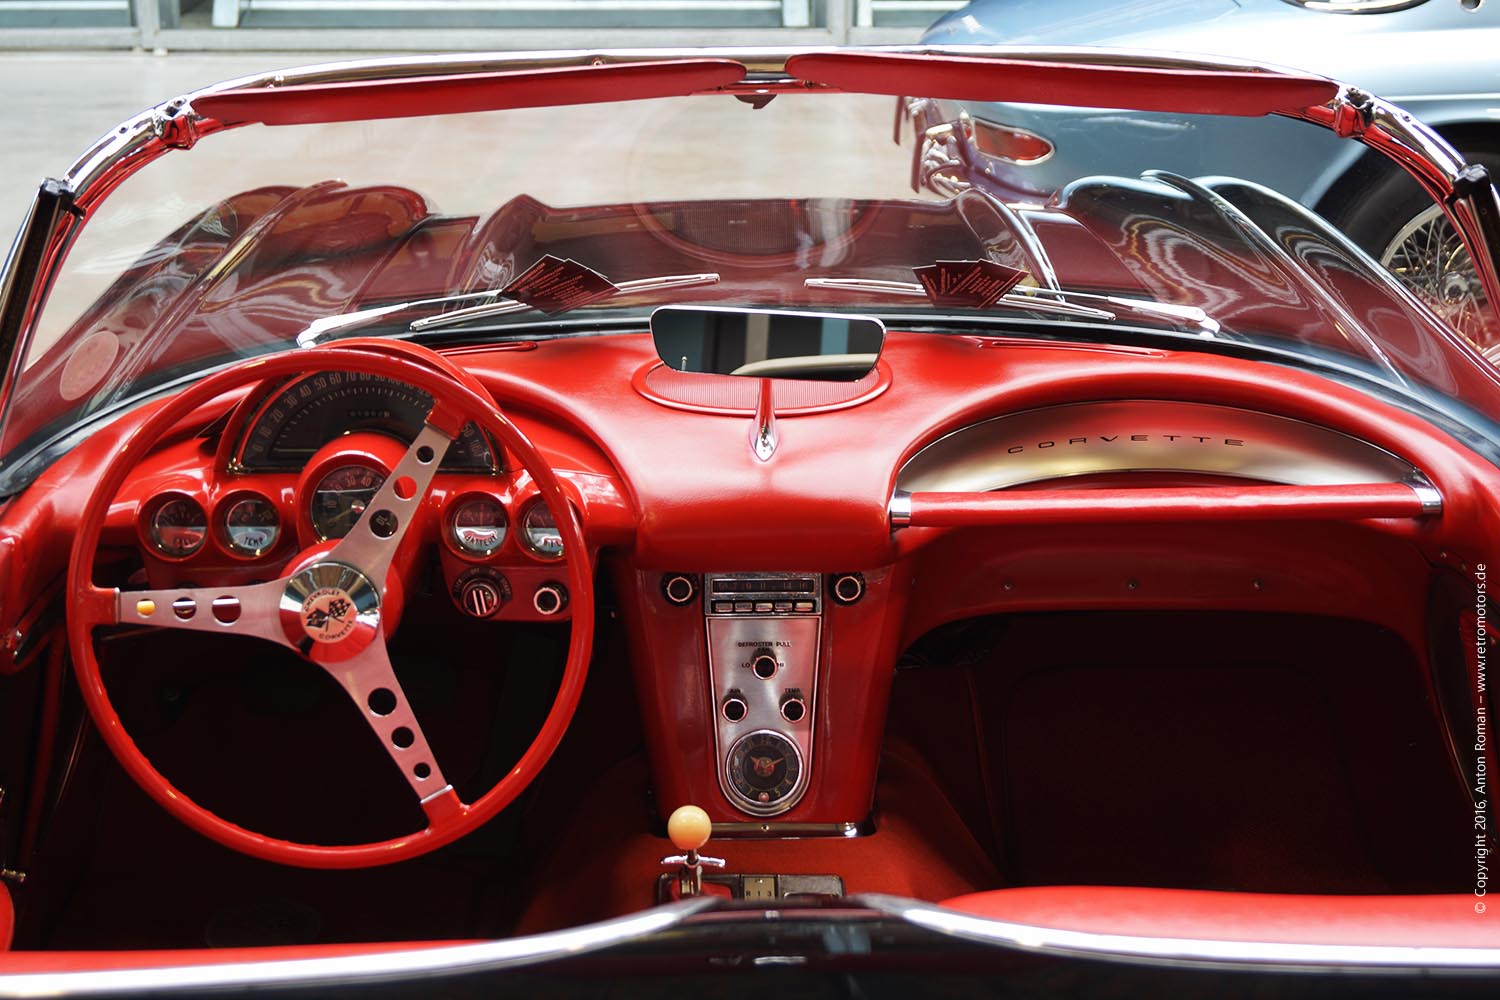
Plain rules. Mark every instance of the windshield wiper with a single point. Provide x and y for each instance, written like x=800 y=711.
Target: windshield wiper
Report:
x=1046 y=300
x=496 y=306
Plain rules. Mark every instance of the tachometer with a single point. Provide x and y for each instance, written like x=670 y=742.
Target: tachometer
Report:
x=179 y=527
x=341 y=497
x=251 y=525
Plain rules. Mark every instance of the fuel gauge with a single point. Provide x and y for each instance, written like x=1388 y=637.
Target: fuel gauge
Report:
x=179 y=527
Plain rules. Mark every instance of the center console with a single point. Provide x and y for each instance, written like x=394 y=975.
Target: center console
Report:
x=763 y=692
x=763 y=632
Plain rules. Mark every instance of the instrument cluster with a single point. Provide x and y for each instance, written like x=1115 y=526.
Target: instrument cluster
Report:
x=497 y=543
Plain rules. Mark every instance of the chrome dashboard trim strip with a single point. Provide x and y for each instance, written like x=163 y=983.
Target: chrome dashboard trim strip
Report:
x=1180 y=951
x=348 y=969
x=1142 y=435
x=1432 y=500
x=900 y=509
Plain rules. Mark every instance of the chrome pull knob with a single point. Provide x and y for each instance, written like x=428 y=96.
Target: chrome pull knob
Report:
x=550 y=599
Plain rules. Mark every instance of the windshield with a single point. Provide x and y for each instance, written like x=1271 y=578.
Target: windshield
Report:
x=1080 y=223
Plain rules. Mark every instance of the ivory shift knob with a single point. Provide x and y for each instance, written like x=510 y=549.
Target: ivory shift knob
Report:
x=689 y=828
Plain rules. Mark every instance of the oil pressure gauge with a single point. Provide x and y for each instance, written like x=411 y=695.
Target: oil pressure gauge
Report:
x=478 y=525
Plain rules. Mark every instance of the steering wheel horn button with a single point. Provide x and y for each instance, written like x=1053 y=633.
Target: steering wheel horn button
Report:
x=332 y=607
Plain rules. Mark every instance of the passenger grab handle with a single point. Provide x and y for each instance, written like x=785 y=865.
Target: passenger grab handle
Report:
x=1174 y=504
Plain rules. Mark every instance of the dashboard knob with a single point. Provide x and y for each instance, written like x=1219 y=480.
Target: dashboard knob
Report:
x=793 y=707
x=550 y=599
x=848 y=587
x=480 y=593
x=679 y=588
x=735 y=708
x=763 y=664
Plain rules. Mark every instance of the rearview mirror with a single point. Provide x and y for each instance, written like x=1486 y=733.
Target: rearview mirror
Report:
x=766 y=343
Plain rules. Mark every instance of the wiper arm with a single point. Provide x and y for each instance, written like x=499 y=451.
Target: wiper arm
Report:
x=1047 y=300
x=316 y=330
x=501 y=307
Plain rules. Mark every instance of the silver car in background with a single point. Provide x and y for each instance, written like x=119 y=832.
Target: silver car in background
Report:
x=1437 y=59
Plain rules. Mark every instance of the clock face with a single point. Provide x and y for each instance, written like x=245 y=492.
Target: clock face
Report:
x=764 y=769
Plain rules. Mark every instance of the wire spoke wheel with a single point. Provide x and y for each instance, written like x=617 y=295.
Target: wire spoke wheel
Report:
x=1429 y=257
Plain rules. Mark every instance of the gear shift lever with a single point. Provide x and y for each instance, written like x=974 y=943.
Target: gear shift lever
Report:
x=689 y=829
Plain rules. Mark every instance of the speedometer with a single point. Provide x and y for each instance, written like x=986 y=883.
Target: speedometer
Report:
x=306 y=414
x=341 y=497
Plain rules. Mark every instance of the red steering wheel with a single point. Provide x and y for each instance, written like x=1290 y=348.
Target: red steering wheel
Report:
x=298 y=610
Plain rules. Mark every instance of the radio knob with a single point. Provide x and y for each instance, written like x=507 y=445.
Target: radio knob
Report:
x=848 y=587
x=763 y=664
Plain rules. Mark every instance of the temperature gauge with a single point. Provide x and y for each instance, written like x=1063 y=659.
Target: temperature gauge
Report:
x=539 y=531
x=179 y=527
x=252 y=525
x=478 y=525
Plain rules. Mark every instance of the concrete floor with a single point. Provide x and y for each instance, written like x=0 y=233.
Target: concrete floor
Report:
x=56 y=104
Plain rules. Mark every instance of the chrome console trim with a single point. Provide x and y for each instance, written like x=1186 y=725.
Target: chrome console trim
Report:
x=793 y=831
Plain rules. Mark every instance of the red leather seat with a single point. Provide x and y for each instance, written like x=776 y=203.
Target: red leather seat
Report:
x=1427 y=921
x=7 y=917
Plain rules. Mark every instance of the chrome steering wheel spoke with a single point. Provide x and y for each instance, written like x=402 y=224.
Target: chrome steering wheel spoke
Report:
x=371 y=683
x=247 y=610
x=371 y=544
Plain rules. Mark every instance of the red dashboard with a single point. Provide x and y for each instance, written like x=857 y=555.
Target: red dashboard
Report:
x=670 y=488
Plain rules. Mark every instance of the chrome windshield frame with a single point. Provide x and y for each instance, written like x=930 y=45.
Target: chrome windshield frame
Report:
x=1472 y=208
